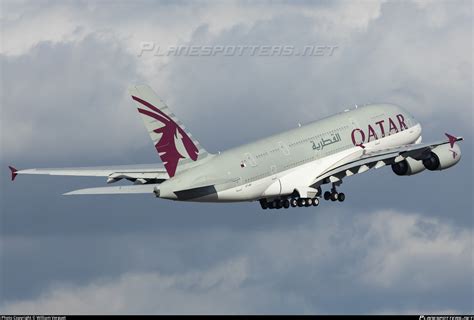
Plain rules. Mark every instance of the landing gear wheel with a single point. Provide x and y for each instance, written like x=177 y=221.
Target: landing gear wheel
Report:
x=278 y=204
x=334 y=196
x=271 y=205
x=286 y=204
x=327 y=195
x=294 y=202
x=301 y=202
x=315 y=202
x=341 y=197
x=309 y=202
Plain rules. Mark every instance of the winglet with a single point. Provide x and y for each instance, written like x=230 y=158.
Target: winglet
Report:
x=452 y=139
x=14 y=172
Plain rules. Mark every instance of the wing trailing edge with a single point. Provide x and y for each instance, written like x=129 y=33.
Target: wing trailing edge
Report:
x=134 y=189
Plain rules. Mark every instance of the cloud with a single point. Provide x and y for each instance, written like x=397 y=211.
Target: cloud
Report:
x=168 y=23
x=148 y=293
x=82 y=106
x=413 y=252
x=401 y=261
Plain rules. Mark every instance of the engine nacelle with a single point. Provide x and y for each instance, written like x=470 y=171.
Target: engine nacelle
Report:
x=408 y=167
x=443 y=157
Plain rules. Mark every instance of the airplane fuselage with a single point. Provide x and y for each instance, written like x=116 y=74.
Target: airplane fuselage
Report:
x=273 y=166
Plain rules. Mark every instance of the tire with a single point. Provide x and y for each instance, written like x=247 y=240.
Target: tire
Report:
x=334 y=196
x=278 y=204
x=315 y=202
x=294 y=203
x=309 y=202
x=341 y=197
x=301 y=202
x=286 y=204
x=327 y=195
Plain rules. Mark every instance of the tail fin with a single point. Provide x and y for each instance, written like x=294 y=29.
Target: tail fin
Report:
x=174 y=144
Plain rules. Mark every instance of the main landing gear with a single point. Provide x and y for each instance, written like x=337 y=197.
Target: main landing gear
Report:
x=333 y=195
x=289 y=202
x=295 y=201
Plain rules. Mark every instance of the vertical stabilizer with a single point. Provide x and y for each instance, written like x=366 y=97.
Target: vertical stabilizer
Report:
x=175 y=145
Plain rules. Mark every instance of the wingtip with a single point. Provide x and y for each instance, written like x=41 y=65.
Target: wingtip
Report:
x=13 y=172
x=452 y=139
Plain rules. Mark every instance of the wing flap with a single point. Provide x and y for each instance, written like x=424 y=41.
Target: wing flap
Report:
x=134 y=189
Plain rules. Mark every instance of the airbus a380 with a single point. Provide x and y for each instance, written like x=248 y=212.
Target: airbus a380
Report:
x=285 y=170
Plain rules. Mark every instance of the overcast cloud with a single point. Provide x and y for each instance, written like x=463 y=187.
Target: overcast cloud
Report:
x=398 y=244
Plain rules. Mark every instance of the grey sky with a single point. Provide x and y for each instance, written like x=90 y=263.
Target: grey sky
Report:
x=398 y=244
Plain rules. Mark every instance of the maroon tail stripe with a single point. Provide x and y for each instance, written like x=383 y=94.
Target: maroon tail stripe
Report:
x=147 y=104
x=154 y=115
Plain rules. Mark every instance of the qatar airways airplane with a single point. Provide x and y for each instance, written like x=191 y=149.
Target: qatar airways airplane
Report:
x=287 y=169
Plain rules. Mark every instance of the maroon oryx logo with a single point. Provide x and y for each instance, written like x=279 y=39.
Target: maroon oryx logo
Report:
x=171 y=134
x=452 y=141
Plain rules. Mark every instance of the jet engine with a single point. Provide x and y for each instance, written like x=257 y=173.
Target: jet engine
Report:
x=443 y=157
x=408 y=167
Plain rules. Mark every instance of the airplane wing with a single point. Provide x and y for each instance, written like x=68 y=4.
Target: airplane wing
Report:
x=139 y=174
x=380 y=158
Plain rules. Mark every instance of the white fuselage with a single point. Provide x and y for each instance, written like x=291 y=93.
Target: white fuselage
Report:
x=272 y=167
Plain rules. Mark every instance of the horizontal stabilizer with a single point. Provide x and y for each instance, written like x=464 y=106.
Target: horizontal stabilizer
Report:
x=151 y=169
x=136 y=189
x=138 y=174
